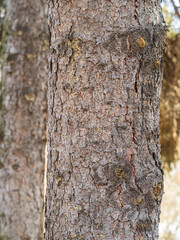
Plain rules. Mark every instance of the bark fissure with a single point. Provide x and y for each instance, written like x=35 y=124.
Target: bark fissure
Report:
x=136 y=11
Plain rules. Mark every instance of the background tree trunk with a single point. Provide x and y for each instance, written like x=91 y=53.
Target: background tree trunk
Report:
x=170 y=107
x=24 y=47
x=104 y=175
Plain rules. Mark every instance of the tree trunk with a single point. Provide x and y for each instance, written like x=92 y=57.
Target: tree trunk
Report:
x=23 y=126
x=170 y=99
x=104 y=175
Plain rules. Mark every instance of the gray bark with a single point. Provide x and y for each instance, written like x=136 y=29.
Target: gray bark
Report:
x=23 y=119
x=104 y=175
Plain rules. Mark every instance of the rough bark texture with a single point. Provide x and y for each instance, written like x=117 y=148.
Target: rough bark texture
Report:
x=104 y=175
x=23 y=126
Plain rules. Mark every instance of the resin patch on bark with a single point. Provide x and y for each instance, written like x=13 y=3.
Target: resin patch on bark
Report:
x=141 y=42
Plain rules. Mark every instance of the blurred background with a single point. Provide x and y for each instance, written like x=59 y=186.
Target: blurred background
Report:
x=170 y=124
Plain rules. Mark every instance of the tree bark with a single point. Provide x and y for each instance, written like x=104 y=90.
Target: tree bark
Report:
x=104 y=174
x=24 y=46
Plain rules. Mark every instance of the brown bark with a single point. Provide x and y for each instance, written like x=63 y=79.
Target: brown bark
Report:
x=104 y=175
x=170 y=108
x=23 y=127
